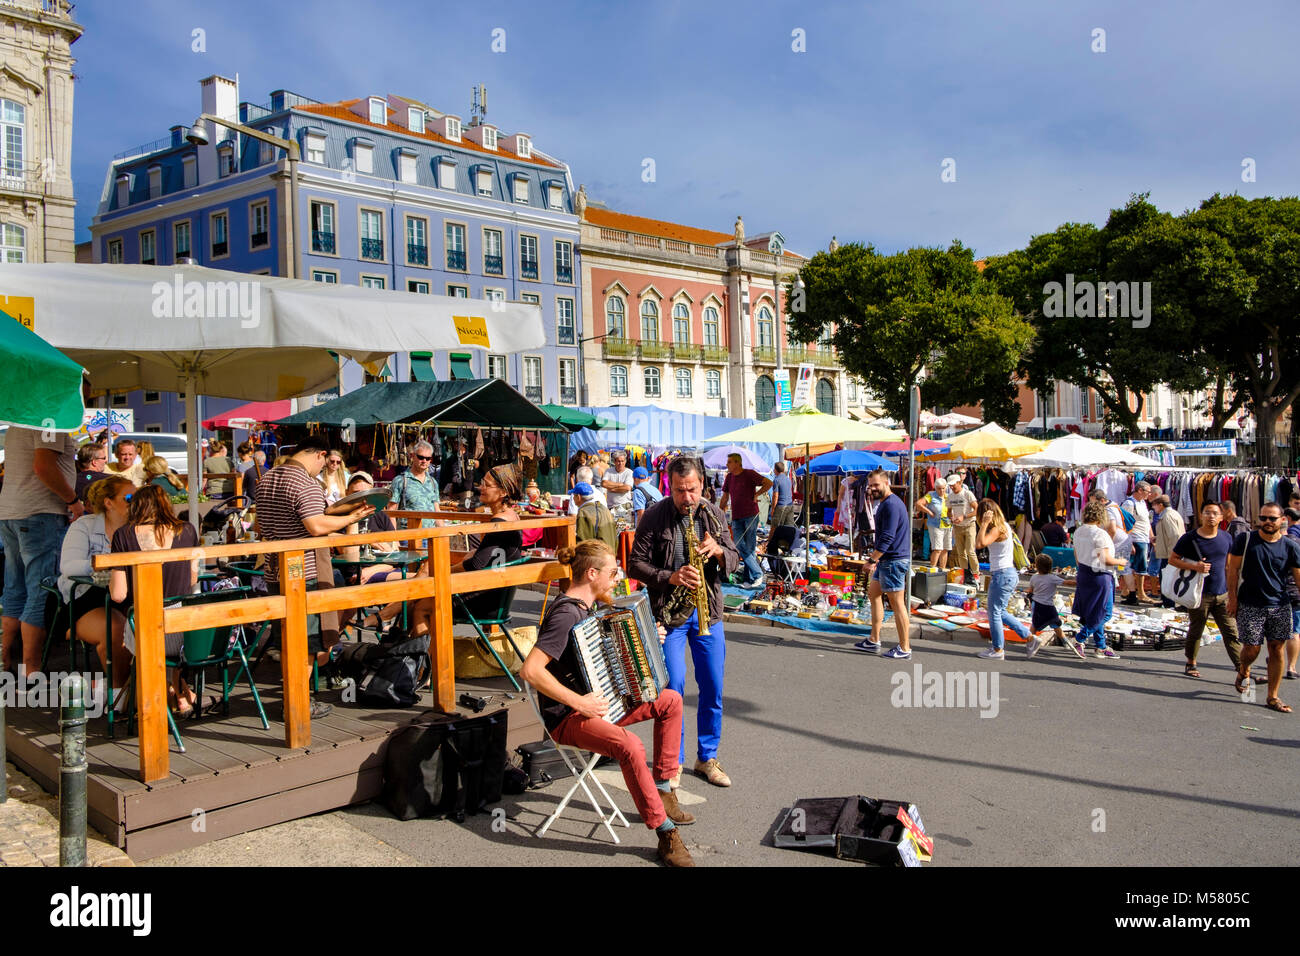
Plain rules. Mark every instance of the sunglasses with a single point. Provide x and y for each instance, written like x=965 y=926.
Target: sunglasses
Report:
x=424 y=457
x=1269 y=518
x=334 y=461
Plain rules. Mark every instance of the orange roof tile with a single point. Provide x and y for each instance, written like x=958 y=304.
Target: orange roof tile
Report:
x=342 y=111
x=655 y=227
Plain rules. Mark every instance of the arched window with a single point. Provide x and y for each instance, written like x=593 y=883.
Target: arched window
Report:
x=766 y=337
x=764 y=398
x=649 y=321
x=13 y=243
x=615 y=318
x=618 y=380
x=683 y=383
x=13 y=132
x=825 y=396
x=711 y=336
x=652 y=383
x=681 y=324
x=713 y=383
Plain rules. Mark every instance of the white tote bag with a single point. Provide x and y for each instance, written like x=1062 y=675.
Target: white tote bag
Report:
x=1181 y=586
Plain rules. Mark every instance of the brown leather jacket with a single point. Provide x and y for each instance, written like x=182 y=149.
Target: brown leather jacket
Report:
x=652 y=553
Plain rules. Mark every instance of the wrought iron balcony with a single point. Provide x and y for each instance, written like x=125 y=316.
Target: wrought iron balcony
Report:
x=685 y=352
x=417 y=255
x=810 y=355
x=372 y=249
x=220 y=249
x=493 y=266
x=322 y=242
x=655 y=350
x=564 y=274
x=569 y=395
x=528 y=269
x=259 y=239
x=564 y=336
x=716 y=354
x=618 y=347
x=764 y=355
x=456 y=260
x=533 y=393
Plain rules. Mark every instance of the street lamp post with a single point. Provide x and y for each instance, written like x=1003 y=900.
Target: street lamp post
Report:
x=199 y=137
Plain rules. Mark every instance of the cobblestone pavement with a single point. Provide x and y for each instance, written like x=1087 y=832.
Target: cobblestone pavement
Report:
x=29 y=828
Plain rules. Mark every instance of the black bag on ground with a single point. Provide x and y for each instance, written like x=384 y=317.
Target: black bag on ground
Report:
x=448 y=767
x=542 y=762
x=393 y=674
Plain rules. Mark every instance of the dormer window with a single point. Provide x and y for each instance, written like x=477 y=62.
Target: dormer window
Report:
x=489 y=138
x=190 y=171
x=520 y=185
x=155 y=182
x=123 y=190
x=266 y=151
x=363 y=156
x=378 y=111
x=225 y=159
x=525 y=148
x=316 y=148
x=483 y=181
x=415 y=120
x=555 y=196
x=452 y=128
x=447 y=173
x=406 y=165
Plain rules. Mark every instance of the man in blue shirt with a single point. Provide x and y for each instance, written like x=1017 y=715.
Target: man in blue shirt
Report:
x=644 y=494
x=782 y=510
x=889 y=562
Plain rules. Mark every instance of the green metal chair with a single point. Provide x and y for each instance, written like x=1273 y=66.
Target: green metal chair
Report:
x=499 y=616
x=63 y=611
x=219 y=647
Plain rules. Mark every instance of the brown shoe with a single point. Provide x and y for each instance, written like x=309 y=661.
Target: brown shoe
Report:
x=673 y=851
x=675 y=811
x=712 y=771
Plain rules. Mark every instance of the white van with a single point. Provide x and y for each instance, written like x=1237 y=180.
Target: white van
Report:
x=170 y=445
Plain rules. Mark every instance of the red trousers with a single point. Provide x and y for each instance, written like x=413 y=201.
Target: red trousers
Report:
x=610 y=740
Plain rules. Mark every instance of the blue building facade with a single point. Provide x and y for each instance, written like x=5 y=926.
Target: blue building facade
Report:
x=389 y=194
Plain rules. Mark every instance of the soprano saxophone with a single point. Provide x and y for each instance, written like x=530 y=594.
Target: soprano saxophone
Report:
x=682 y=599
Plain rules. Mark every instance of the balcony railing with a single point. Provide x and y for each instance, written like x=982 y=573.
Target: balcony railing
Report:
x=618 y=347
x=564 y=336
x=810 y=355
x=685 y=352
x=765 y=355
x=568 y=395
x=182 y=254
x=528 y=269
x=220 y=249
x=564 y=274
x=259 y=239
x=533 y=393
x=372 y=249
x=456 y=260
x=322 y=241
x=716 y=354
x=493 y=266
x=655 y=350
x=417 y=255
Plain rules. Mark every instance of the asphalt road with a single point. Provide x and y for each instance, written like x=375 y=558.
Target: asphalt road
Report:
x=1086 y=762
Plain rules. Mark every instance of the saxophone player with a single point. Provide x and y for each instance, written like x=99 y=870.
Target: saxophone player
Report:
x=660 y=560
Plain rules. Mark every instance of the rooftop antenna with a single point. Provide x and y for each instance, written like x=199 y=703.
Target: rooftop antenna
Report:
x=478 y=108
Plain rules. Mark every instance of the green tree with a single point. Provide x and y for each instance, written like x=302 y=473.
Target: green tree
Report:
x=895 y=315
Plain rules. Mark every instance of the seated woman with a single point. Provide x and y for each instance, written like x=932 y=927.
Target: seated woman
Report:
x=108 y=501
x=151 y=525
x=500 y=486
x=157 y=473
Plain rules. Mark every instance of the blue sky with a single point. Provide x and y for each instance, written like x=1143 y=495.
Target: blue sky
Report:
x=846 y=138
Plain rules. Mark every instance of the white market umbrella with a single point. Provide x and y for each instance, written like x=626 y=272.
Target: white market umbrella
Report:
x=234 y=335
x=1076 y=451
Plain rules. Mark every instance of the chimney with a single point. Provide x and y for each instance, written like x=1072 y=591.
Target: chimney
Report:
x=219 y=96
x=278 y=99
x=178 y=135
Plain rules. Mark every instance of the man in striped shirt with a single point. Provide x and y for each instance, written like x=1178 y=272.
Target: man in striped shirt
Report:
x=291 y=504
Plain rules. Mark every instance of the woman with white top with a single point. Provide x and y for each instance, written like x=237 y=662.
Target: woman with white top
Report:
x=1094 y=553
x=334 y=477
x=995 y=534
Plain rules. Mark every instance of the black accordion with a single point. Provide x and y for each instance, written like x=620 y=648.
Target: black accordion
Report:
x=619 y=655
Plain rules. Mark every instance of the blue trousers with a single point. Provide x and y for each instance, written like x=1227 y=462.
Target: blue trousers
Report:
x=745 y=533
x=1001 y=586
x=709 y=655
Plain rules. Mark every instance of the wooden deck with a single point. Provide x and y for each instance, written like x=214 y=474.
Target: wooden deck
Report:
x=234 y=776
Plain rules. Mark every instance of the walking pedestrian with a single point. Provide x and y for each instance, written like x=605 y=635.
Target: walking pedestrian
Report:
x=1205 y=549
x=741 y=489
x=1260 y=562
x=1042 y=586
x=995 y=534
x=1293 y=645
x=1094 y=593
x=889 y=561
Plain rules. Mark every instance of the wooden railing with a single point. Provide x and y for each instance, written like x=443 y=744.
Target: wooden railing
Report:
x=293 y=605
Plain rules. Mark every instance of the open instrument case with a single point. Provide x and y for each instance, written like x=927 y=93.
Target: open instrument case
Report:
x=883 y=832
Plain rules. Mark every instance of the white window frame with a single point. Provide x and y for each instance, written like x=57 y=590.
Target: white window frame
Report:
x=499 y=237
x=13 y=242
x=226 y=159
x=712 y=378
x=493 y=294
x=114 y=251
x=189 y=240
x=452 y=128
x=495 y=363
x=530 y=298
x=657 y=390
x=334 y=221
x=519 y=189
x=447 y=245
x=616 y=390
x=265 y=150
x=560 y=302
x=446 y=174
x=610 y=331
x=455 y=291
x=406 y=167
x=533 y=363
x=123 y=190
x=414 y=120
x=525 y=148
x=555 y=196
x=212 y=232
x=327 y=276
x=417 y=283
x=363 y=158
x=315 y=151
x=537 y=257
x=489 y=138
x=483 y=182
x=572 y=366
x=567 y=247
x=155 y=182
x=684 y=376
x=372 y=282
x=153 y=246
x=379 y=105
x=362 y=213
x=262 y=206
x=13 y=162
x=424 y=224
